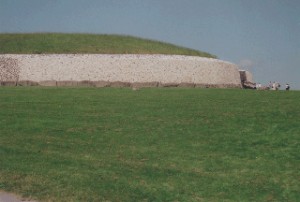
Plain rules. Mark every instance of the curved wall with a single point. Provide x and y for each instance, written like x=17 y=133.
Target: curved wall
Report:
x=163 y=69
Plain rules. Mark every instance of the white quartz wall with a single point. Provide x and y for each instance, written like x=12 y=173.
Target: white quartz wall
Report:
x=126 y=68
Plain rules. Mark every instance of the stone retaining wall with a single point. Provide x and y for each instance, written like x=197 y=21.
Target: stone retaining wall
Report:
x=246 y=76
x=102 y=70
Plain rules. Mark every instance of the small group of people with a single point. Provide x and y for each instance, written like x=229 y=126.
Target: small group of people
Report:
x=275 y=86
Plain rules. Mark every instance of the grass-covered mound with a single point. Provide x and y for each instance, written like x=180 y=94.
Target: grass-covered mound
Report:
x=109 y=144
x=50 y=43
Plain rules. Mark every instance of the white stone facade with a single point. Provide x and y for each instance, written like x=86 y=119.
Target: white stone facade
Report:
x=126 y=68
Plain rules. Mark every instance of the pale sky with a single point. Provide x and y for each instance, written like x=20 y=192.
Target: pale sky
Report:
x=262 y=36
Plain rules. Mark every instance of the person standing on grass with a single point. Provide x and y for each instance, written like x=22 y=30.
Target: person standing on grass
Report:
x=287 y=86
x=258 y=86
x=274 y=86
x=270 y=85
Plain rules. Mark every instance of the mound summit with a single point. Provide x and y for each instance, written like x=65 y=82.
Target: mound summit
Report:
x=58 y=43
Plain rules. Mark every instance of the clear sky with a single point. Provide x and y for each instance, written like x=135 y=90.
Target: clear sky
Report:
x=262 y=36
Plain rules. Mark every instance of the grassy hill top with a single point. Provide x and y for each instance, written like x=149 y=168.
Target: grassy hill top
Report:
x=51 y=43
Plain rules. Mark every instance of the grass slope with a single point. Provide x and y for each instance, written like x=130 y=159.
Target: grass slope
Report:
x=88 y=144
x=88 y=43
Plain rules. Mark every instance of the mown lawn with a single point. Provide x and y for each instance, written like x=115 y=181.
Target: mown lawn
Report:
x=162 y=144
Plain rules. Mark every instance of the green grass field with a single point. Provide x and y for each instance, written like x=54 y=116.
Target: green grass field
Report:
x=161 y=144
x=49 y=43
